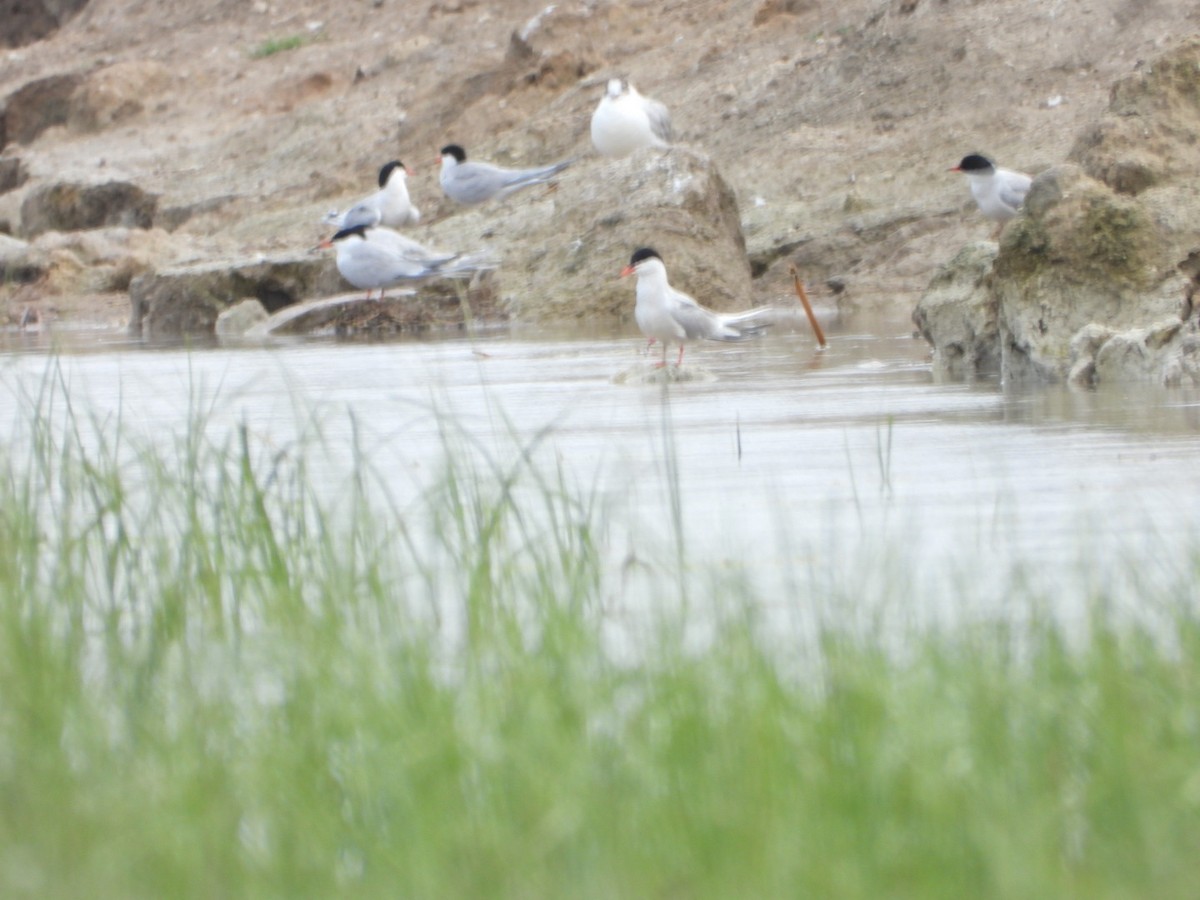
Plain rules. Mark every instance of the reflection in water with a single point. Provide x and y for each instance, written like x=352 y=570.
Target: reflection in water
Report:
x=843 y=470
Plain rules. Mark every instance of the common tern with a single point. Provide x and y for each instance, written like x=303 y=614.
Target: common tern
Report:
x=389 y=206
x=626 y=121
x=998 y=192
x=375 y=258
x=667 y=315
x=474 y=182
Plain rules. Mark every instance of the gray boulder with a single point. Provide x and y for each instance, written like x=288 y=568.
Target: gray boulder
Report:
x=1166 y=353
x=26 y=21
x=188 y=299
x=38 y=105
x=241 y=317
x=1094 y=281
x=77 y=207
x=1081 y=254
x=17 y=264
x=116 y=93
x=1150 y=134
x=958 y=316
x=1081 y=266
x=436 y=305
x=12 y=173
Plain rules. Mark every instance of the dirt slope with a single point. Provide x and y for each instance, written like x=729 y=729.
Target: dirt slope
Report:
x=834 y=120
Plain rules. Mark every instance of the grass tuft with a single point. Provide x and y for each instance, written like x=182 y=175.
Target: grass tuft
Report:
x=279 y=45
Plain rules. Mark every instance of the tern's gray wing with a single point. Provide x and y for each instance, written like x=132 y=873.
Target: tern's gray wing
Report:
x=370 y=266
x=365 y=212
x=694 y=319
x=472 y=182
x=515 y=179
x=1012 y=188
x=660 y=120
x=404 y=250
x=398 y=257
x=698 y=322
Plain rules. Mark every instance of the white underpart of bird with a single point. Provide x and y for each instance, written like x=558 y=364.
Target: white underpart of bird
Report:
x=390 y=206
x=625 y=121
x=376 y=258
x=471 y=182
x=998 y=192
x=672 y=317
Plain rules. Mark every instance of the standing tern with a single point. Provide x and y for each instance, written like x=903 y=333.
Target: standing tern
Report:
x=374 y=258
x=998 y=192
x=626 y=121
x=475 y=182
x=667 y=315
x=389 y=206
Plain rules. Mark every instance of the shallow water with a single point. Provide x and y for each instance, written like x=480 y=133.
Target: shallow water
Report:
x=849 y=466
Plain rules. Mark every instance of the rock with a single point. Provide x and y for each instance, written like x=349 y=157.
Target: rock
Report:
x=1138 y=354
x=188 y=299
x=1151 y=131
x=434 y=305
x=1076 y=278
x=100 y=261
x=1181 y=367
x=957 y=315
x=1089 y=280
x=1166 y=353
x=1080 y=254
x=241 y=317
x=12 y=173
x=116 y=93
x=772 y=9
x=38 y=105
x=16 y=262
x=173 y=217
x=1084 y=346
x=26 y=21
x=563 y=249
x=85 y=262
x=75 y=207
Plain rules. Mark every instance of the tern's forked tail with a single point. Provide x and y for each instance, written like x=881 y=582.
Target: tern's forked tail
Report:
x=750 y=324
x=467 y=264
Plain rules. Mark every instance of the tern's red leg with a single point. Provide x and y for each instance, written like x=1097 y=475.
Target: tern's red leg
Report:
x=679 y=362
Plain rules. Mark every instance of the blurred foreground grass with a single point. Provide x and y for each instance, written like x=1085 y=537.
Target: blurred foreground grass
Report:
x=214 y=683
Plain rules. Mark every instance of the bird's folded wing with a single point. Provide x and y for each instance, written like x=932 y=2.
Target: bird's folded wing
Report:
x=1013 y=190
x=660 y=121
x=694 y=319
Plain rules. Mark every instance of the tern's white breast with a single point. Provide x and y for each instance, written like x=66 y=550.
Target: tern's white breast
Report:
x=621 y=126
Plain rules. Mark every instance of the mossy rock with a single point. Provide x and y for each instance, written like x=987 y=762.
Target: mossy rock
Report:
x=1150 y=133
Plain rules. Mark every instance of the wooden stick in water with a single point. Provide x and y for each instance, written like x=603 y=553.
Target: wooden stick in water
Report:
x=812 y=319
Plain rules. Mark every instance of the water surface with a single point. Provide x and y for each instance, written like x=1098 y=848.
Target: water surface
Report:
x=785 y=465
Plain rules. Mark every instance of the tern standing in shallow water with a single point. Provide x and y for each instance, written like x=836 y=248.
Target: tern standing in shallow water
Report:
x=379 y=258
x=670 y=316
x=474 y=182
x=998 y=192
x=626 y=121
x=389 y=206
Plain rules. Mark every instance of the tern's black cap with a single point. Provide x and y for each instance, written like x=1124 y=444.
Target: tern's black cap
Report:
x=386 y=172
x=977 y=163
x=643 y=253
